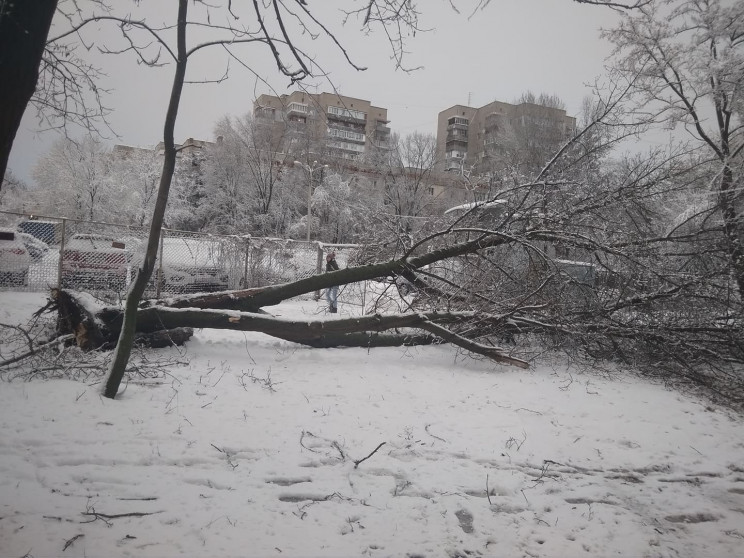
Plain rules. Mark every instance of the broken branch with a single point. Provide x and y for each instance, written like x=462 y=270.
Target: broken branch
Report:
x=357 y=462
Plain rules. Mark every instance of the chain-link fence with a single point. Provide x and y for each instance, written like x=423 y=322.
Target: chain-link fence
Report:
x=39 y=253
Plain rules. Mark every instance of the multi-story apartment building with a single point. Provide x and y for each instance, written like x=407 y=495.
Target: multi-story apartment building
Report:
x=189 y=147
x=349 y=127
x=477 y=139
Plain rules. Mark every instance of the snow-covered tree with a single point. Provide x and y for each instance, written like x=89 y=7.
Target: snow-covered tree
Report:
x=407 y=175
x=335 y=209
x=14 y=192
x=135 y=172
x=246 y=178
x=74 y=180
x=685 y=59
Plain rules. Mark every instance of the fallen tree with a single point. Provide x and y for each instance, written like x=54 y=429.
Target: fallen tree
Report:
x=96 y=326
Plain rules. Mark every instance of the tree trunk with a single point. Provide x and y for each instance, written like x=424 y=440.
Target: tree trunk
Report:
x=91 y=332
x=252 y=300
x=732 y=225
x=134 y=296
x=99 y=329
x=24 y=27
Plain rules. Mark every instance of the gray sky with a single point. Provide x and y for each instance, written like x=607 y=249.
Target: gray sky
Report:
x=550 y=46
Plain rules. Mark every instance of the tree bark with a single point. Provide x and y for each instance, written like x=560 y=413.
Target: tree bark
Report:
x=732 y=224
x=24 y=27
x=90 y=332
x=99 y=329
x=142 y=277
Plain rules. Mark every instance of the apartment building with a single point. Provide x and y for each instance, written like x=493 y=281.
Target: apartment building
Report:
x=188 y=147
x=347 y=126
x=480 y=139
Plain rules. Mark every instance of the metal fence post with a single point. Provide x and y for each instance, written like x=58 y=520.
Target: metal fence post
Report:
x=61 y=254
x=159 y=278
x=319 y=266
x=245 y=265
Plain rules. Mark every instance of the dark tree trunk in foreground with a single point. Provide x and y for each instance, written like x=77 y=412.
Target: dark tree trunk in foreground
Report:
x=24 y=26
x=136 y=290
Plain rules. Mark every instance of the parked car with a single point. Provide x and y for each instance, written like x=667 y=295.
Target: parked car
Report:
x=14 y=259
x=95 y=261
x=46 y=231
x=37 y=249
x=192 y=266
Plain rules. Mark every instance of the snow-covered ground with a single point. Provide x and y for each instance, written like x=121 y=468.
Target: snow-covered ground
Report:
x=257 y=447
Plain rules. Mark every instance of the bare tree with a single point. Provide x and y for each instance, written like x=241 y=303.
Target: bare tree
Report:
x=150 y=42
x=620 y=6
x=687 y=60
x=46 y=73
x=637 y=5
x=407 y=175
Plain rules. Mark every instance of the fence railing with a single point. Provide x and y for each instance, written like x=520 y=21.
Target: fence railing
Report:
x=41 y=252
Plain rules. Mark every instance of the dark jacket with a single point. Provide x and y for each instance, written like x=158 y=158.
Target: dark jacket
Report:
x=331 y=265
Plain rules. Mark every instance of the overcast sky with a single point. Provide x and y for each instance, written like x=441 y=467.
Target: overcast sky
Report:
x=550 y=46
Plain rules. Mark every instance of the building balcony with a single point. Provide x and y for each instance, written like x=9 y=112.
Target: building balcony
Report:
x=458 y=120
x=451 y=127
x=345 y=146
x=298 y=109
x=382 y=129
x=264 y=112
x=453 y=164
x=459 y=138
x=344 y=119
x=346 y=115
x=454 y=146
x=347 y=135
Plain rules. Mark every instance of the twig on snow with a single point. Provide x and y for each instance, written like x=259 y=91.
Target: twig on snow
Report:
x=432 y=435
x=302 y=436
x=357 y=462
x=105 y=517
x=228 y=456
x=343 y=455
x=32 y=352
x=70 y=542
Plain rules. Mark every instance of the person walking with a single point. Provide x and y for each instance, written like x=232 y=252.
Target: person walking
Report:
x=332 y=292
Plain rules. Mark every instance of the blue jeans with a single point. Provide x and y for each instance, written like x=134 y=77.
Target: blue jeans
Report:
x=332 y=296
